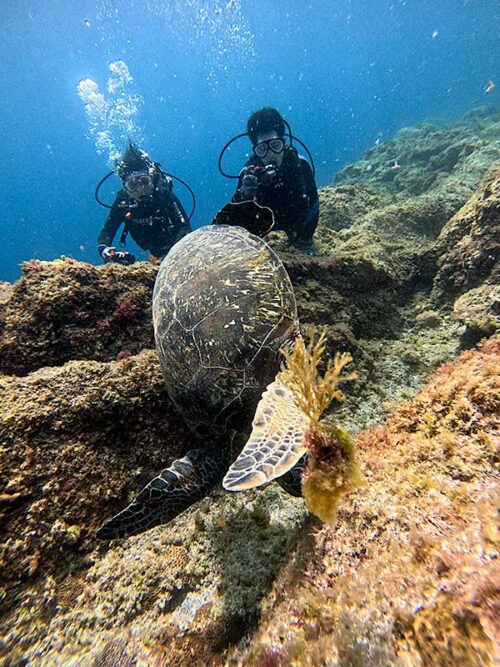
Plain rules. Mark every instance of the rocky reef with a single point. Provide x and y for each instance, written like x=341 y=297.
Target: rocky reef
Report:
x=409 y=575
x=467 y=252
x=445 y=157
x=392 y=205
x=65 y=310
x=406 y=279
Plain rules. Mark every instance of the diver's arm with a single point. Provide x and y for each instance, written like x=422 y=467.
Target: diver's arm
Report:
x=309 y=182
x=182 y=225
x=308 y=224
x=113 y=221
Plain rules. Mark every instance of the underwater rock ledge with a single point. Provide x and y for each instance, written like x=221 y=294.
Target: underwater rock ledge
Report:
x=64 y=309
x=74 y=442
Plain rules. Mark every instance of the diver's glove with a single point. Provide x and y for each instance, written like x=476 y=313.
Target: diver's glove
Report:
x=106 y=252
x=249 y=185
x=111 y=254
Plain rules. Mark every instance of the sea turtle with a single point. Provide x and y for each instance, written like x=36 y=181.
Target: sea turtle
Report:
x=223 y=308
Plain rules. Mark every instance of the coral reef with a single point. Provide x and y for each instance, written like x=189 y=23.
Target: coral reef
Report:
x=409 y=573
x=65 y=310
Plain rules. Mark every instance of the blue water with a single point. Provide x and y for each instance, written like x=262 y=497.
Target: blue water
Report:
x=343 y=72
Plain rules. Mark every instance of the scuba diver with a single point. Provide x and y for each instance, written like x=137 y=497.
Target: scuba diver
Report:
x=146 y=206
x=278 y=178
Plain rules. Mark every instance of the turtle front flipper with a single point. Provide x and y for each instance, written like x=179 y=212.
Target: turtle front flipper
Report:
x=175 y=489
x=277 y=442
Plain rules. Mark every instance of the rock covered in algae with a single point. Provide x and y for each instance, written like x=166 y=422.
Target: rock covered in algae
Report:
x=389 y=207
x=64 y=310
x=479 y=311
x=81 y=439
x=468 y=248
x=353 y=295
x=429 y=155
x=178 y=594
x=409 y=574
x=75 y=441
x=405 y=576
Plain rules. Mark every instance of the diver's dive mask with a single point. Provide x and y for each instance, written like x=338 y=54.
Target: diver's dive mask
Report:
x=262 y=148
x=139 y=184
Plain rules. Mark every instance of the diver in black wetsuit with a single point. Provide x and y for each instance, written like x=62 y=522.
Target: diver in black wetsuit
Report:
x=276 y=176
x=147 y=207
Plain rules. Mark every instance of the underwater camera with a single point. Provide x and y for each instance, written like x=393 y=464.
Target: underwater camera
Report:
x=122 y=257
x=265 y=175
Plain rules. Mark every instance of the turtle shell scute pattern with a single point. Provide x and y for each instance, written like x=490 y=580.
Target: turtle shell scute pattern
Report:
x=223 y=306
